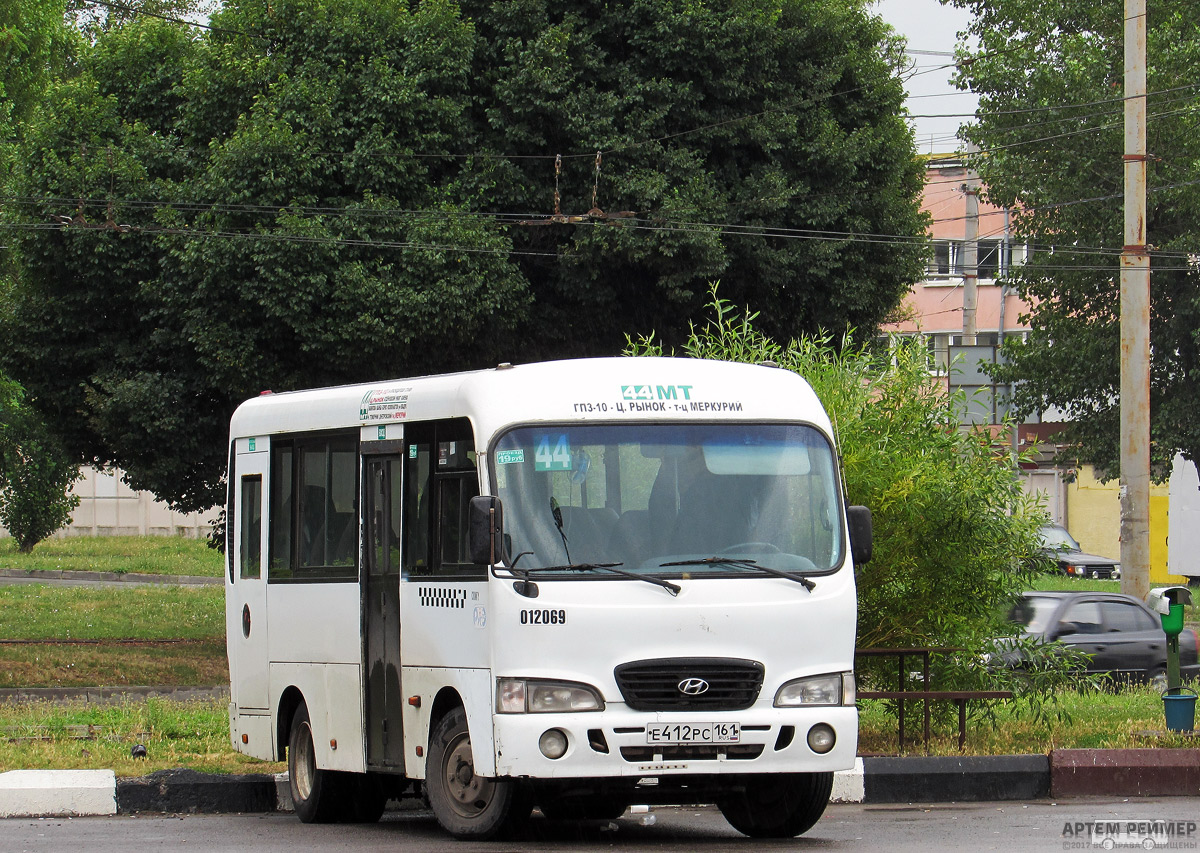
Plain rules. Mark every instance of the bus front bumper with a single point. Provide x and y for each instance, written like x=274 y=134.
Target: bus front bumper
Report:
x=619 y=742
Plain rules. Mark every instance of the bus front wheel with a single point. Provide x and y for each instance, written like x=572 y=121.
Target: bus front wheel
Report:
x=780 y=805
x=466 y=805
x=314 y=792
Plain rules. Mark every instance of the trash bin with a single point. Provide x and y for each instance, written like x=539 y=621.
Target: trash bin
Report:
x=1179 y=704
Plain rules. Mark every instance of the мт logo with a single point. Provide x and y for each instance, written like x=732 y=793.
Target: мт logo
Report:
x=656 y=392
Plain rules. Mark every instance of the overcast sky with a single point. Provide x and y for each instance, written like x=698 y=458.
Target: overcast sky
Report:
x=931 y=28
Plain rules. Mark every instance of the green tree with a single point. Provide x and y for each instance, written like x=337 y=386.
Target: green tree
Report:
x=35 y=45
x=317 y=192
x=1049 y=79
x=35 y=473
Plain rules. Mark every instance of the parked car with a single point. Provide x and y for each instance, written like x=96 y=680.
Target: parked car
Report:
x=1060 y=546
x=1120 y=633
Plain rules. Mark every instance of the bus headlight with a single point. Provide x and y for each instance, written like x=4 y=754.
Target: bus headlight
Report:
x=836 y=688
x=527 y=696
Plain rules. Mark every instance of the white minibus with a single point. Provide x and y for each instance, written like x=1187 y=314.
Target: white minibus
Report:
x=571 y=586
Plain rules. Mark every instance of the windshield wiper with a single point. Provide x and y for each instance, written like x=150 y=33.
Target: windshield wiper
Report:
x=608 y=567
x=742 y=562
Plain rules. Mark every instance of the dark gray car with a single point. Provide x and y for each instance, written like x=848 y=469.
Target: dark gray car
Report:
x=1061 y=546
x=1119 y=633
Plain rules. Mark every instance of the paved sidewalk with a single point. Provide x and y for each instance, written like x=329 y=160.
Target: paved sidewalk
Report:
x=113 y=695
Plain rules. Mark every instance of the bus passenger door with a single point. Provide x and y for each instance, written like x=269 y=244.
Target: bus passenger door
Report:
x=382 y=481
x=250 y=584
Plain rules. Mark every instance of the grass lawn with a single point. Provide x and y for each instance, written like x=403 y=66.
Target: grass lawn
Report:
x=74 y=735
x=161 y=555
x=192 y=663
x=1062 y=582
x=148 y=614
x=139 y=612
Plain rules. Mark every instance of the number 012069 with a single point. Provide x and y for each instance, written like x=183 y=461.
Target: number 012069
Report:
x=543 y=617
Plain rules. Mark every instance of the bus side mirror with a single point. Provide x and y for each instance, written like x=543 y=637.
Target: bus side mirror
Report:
x=486 y=537
x=859 y=520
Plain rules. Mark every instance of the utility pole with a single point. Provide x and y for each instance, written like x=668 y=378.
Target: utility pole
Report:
x=971 y=251
x=1135 y=320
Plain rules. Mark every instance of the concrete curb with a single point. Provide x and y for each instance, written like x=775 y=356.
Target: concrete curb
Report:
x=110 y=577
x=848 y=785
x=57 y=793
x=937 y=779
x=1125 y=772
x=190 y=792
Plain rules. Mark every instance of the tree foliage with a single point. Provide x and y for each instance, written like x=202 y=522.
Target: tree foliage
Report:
x=35 y=473
x=35 y=46
x=316 y=192
x=1050 y=83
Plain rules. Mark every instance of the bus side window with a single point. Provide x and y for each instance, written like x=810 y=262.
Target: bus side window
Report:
x=314 y=508
x=456 y=492
x=251 y=526
x=440 y=480
x=280 y=518
x=417 y=488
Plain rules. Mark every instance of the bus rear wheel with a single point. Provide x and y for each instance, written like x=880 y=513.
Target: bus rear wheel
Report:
x=466 y=805
x=315 y=792
x=778 y=805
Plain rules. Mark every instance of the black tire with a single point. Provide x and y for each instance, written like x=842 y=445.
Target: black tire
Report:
x=465 y=805
x=778 y=805
x=315 y=793
x=580 y=808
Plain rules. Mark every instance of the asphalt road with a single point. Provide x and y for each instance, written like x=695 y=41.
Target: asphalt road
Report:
x=1033 y=826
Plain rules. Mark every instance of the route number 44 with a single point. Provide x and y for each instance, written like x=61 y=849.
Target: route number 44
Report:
x=556 y=459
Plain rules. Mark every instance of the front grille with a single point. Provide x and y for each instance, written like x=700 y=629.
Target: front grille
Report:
x=654 y=685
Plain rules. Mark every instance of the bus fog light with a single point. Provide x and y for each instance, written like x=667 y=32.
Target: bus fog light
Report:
x=553 y=743
x=821 y=738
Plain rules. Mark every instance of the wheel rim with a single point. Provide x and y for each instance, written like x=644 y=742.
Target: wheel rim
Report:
x=468 y=794
x=304 y=767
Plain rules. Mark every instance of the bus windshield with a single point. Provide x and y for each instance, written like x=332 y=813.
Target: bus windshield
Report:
x=720 y=498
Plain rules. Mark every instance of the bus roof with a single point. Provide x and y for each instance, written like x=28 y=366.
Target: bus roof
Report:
x=593 y=389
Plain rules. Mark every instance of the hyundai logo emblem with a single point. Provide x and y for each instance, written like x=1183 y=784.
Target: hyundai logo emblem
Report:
x=693 y=686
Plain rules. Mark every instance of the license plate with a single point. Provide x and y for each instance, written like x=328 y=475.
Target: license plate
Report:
x=681 y=733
